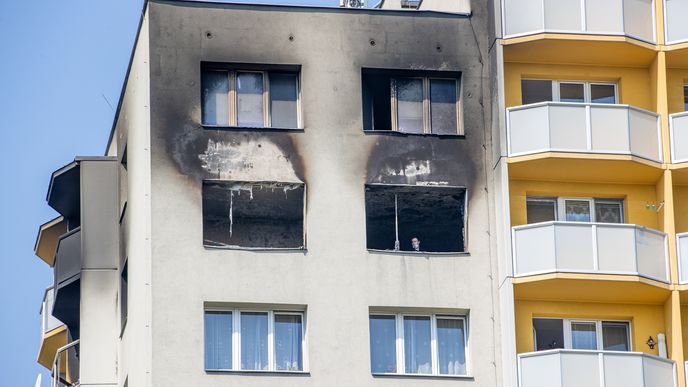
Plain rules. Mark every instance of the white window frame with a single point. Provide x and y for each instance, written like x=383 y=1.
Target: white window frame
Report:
x=427 y=113
x=560 y=205
x=272 y=354
x=434 y=346
x=233 y=100
x=568 y=335
x=587 y=88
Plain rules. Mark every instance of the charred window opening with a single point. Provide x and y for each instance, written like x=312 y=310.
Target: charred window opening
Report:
x=253 y=214
x=434 y=216
x=416 y=102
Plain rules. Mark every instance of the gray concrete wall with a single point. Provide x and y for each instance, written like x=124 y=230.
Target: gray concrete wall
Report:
x=336 y=278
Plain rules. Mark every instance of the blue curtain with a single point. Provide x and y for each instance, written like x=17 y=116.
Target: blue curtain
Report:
x=417 y=350
x=383 y=347
x=218 y=340
x=451 y=347
x=288 y=339
x=254 y=341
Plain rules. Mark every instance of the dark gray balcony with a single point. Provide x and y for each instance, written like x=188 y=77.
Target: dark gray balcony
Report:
x=68 y=280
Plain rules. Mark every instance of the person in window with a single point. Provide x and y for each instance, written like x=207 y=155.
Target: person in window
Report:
x=415 y=243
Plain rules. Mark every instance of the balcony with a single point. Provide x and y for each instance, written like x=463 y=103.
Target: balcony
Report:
x=68 y=280
x=678 y=126
x=682 y=252
x=583 y=128
x=65 y=369
x=590 y=248
x=631 y=18
x=53 y=332
x=675 y=27
x=576 y=368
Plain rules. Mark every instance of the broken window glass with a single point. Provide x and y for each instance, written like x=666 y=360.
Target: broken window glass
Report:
x=253 y=214
x=433 y=216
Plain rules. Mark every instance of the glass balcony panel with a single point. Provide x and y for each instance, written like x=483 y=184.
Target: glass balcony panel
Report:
x=679 y=137
x=644 y=137
x=621 y=370
x=580 y=369
x=574 y=247
x=682 y=241
x=649 y=246
x=541 y=370
x=638 y=19
x=534 y=247
x=609 y=129
x=675 y=20
x=658 y=373
x=616 y=249
x=604 y=15
x=567 y=127
x=563 y=15
x=522 y=16
x=529 y=129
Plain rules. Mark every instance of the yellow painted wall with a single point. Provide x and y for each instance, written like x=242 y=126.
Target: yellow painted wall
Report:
x=646 y=320
x=635 y=197
x=634 y=83
x=676 y=78
x=681 y=208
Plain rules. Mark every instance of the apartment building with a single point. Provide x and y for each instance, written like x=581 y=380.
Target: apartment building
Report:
x=591 y=191
x=292 y=196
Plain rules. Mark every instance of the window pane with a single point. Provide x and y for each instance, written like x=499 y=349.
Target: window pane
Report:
x=250 y=99
x=549 y=333
x=443 y=108
x=218 y=340
x=608 y=211
x=288 y=338
x=450 y=345
x=409 y=94
x=417 y=345
x=214 y=90
x=571 y=92
x=615 y=336
x=541 y=210
x=254 y=341
x=533 y=91
x=283 y=100
x=685 y=98
x=583 y=335
x=577 y=211
x=602 y=94
x=383 y=348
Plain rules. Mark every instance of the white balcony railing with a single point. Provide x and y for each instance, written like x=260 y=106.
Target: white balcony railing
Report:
x=596 y=248
x=575 y=368
x=675 y=26
x=678 y=128
x=65 y=370
x=48 y=322
x=682 y=252
x=586 y=128
x=633 y=18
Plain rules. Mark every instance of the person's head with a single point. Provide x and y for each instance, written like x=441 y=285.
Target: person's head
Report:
x=415 y=243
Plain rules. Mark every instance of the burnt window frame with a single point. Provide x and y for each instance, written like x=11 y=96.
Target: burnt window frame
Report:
x=420 y=188
x=427 y=77
x=265 y=69
x=303 y=246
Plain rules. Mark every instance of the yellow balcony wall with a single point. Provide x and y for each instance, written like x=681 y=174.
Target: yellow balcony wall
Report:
x=646 y=320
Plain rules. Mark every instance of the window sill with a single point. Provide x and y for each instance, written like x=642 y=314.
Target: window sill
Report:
x=251 y=128
x=421 y=253
x=240 y=248
x=259 y=372
x=404 y=134
x=423 y=376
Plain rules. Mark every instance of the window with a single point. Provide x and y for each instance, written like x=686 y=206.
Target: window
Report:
x=418 y=344
x=433 y=216
x=253 y=214
x=552 y=333
x=536 y=90
x=412 y=102
x=245 y=97
x=254 y=340
x=123 y=294
x=546 y=209
x=685 y=98
x=410 y=4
